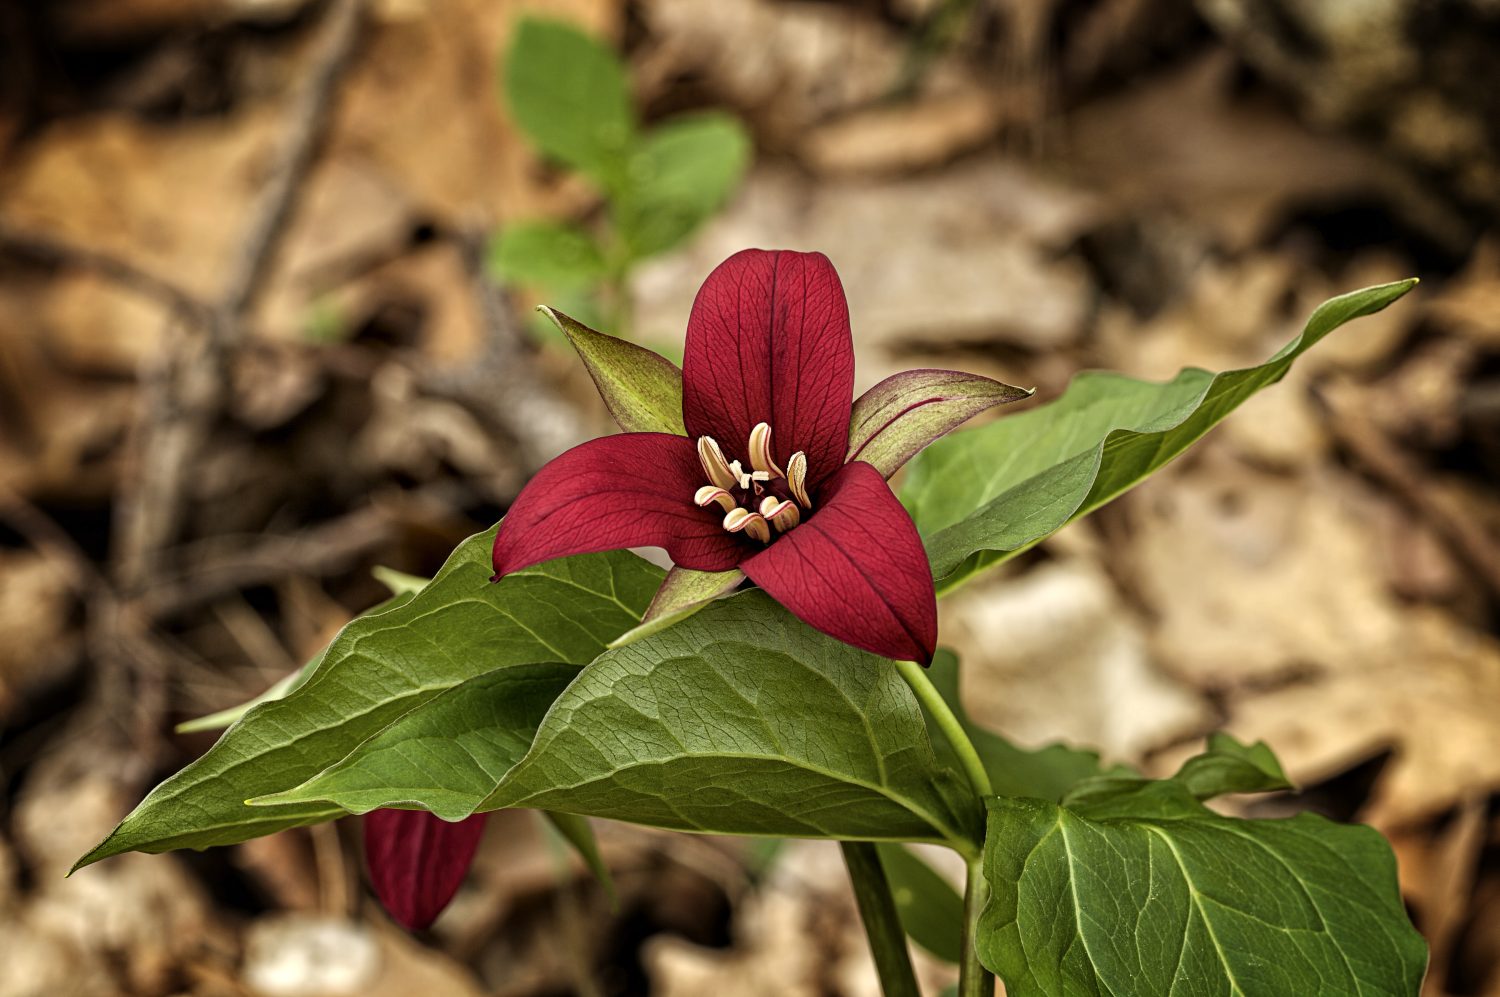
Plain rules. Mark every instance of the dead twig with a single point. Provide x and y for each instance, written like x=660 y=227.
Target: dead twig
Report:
x=1381 y=457
x=50 y=251
x=504 y=388
x=222 y=566
x=185 y=393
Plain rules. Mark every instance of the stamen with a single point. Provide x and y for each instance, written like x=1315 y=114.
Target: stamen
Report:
x=796 y=478
x=760 y=451
x=713 y=493
x=781 y=514
x=749 y=522
x=714 y=464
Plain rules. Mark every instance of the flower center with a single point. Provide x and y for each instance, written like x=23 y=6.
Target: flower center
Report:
x=760 y=500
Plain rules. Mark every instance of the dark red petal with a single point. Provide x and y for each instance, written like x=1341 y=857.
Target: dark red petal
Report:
x=631 y=490
x=855 y=569
x=418 y=861
x=768 y=341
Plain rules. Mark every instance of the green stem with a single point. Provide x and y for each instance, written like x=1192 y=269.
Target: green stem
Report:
x=882 y=925
x=932 y=700
x=973 y=979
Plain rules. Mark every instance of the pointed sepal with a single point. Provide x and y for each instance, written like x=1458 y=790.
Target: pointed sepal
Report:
x=896 y=419
x=642 y=389
x=683 y=592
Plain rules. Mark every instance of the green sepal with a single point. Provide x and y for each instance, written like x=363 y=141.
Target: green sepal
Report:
x=642 y=389
x=899 y=417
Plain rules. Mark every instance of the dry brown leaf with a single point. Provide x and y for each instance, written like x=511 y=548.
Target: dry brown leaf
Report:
x=963 y=257
x=170 y=198
x=39 y=644
x=1234 y=565
x=1180 y=141
x=422 y=108
x=903 y=137
x=1056 y=654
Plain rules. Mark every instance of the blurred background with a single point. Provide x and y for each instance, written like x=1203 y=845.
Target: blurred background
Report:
x=266 y=269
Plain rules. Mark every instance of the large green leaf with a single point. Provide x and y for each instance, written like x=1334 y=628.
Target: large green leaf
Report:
x=569 y=93
x=980 y=495
x=679 y=174
x=288 y=683
x=742 y=720
x=1143 y=890
x=447 y=754
x=378 y=669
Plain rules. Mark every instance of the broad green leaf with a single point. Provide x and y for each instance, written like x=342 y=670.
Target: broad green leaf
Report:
x=1047 y=773
x=569 y=93
x=683 y=593
x=641 y=389
x=378 y=669
x=445 y=755
x=1153 y=893
x=548 y=255
x=895 y=420
x=980 y=495
x=288 y=683
x=742 y=720
x=680 y=174
x=931 y=910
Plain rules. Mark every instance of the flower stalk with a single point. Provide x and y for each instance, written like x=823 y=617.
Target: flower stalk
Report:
x=877 y=909
x=974 y=980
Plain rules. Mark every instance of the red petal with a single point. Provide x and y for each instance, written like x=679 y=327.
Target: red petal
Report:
x=768 y=341
x=418 y=861
x=631 y=490
x=855 y=569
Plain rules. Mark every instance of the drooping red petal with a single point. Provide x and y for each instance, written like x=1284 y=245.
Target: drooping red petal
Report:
x=631 y=490
x=417 y=861
x=855 y=569
x=768 y=341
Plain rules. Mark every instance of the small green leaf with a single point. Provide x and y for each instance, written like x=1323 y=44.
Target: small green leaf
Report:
x=378 y=669
x=931 y=910
x=900 y=416
x=682 y=594
x=1150 y=892
x=983 y=494
x=641 y=389
x=399 y=582
x=1047 y=773
x=1231 y=767
x=547 y=255
x=679 y=175
x=578 y=832
x=742 y=720
x=569 y=93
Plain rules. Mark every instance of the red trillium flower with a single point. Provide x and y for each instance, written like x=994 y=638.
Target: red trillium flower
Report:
x=773 y=476
x=417 y=861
